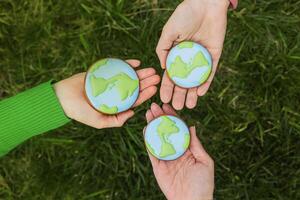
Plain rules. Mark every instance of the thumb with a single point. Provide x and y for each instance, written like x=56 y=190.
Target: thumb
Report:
x=165 y=43
x=123 y=117
x=197 y=149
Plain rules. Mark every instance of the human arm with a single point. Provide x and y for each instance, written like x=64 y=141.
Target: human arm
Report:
x=201 y=21
x=189 y=177
x=49 y=106
x=70 y=93
x=27 y=114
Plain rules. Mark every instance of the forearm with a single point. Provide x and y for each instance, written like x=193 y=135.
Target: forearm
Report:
x=27 y=114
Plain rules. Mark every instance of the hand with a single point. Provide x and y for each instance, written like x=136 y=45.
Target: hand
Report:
x=202 y=21
x=189 y=177
x=71 y=95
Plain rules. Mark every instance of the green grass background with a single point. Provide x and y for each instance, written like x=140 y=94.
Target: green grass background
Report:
x=249 y=121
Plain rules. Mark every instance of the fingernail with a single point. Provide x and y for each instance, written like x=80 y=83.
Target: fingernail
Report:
x=147 y=112
x=193 y=128
x=153 y=104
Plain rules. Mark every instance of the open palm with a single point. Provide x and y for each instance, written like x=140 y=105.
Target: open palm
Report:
x=71 y=95
x=201 y=21
x=189 y=177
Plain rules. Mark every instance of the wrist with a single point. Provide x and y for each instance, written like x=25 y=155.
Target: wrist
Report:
x=193 y=197
x=215 y=3
x=60 y=93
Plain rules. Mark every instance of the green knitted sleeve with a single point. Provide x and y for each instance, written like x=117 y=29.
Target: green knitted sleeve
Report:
x=27 y=114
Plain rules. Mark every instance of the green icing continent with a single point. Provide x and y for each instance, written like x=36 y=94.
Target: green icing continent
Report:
x=108 y=110
x=185 y=45
x=182 y=70
x=99 y=85
x=165 y=129
x=186 y=141
x=98 y=64
x=124 y=84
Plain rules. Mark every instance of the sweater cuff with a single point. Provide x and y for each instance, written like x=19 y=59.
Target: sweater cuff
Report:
x=27 y=114
x=233 y=3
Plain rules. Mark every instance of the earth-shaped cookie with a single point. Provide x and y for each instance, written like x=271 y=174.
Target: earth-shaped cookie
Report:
x=188 y=64
x=167 y=137
x=111 y=86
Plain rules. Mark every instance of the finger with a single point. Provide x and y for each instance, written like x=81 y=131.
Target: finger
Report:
x=145 y=95
x=150 y=81
x=165 y=43
x=115 y=120
x=123 y=117
x=149 y=116
x=156 y=110
x=191 y=98
x=166 y=89
x=169 y=110
x=179 y=97
x=202 y=90
x=197 y=149
x=145 y=73
x=133 y=62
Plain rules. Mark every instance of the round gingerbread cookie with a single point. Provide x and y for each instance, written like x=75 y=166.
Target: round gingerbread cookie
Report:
x=167 y=137
x=111 y=86
x=189 y=64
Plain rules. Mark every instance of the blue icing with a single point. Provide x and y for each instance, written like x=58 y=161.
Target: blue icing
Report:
x=193 y=77
x=187 y=55
x=176 y=140
x=153 y=139
x=111 y=97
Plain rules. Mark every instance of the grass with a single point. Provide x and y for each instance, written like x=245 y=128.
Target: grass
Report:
x=249 y=121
